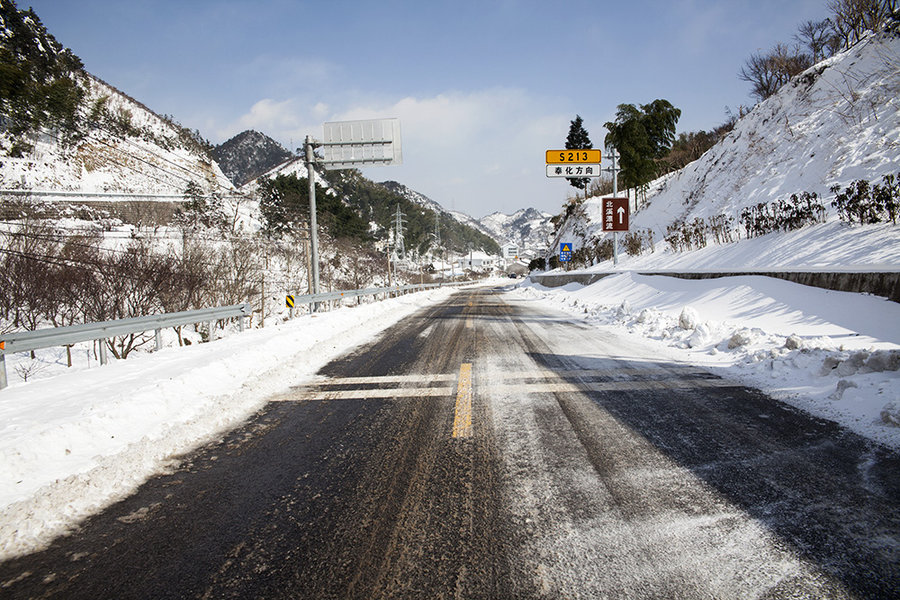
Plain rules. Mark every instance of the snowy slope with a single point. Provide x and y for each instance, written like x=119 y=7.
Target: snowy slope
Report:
x=470 y=221
x=528 y=228
x=413 y=196
x=836 y=123
x=154 y=157
x=832 y=354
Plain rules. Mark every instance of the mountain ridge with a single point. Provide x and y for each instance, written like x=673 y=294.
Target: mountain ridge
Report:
x=248 y=155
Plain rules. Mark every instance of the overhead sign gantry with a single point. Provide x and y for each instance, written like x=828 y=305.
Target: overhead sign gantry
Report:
x=348 y=145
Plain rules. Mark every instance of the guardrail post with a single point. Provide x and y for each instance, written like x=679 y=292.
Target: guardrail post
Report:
x=211 y=331
x=103 y=358
x=158 y=335
x=3 y=382
x=241 y=323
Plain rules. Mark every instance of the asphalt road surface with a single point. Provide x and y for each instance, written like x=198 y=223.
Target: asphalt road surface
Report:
x=486 y=448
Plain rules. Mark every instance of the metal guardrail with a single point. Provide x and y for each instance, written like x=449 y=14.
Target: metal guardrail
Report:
x=26 y=341
x=339 y=295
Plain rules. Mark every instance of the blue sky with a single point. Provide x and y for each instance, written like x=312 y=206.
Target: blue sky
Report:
x=482 y=88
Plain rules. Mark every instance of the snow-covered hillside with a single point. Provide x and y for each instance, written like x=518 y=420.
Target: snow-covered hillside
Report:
x=413 y=196
x=835 y=123
x=470 y=221
x=133 y=151
x=528 y=228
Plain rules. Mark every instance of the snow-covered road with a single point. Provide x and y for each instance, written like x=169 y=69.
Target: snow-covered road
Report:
x=492 y=445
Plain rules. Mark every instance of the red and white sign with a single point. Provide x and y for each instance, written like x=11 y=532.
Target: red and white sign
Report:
x=615 y=214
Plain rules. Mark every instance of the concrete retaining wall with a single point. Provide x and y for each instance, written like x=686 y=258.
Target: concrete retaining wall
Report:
x=881 y=283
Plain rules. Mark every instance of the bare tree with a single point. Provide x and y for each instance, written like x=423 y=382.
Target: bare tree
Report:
x=237 y=273
x=816 y=37
x=851 y=19
x=768 y=72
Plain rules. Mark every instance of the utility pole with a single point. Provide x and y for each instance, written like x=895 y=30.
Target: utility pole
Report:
x=313 y=230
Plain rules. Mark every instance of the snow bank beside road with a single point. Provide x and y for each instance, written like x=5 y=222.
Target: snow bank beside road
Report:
x=833 y=354
x=74 y=443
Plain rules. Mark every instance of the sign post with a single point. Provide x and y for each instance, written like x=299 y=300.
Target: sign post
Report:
x=615 y=219
x=347 y=145
x=574 y=163
x=289 y=302
x=313 y=230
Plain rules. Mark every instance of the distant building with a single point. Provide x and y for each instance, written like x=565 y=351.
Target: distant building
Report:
x=511 y=251
x=477 y=261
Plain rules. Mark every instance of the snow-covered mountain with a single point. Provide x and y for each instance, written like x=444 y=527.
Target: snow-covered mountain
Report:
x=249 y=154
x=528 y=228
x=471 y=222
x=132 y=151
x=836 y=123
x=413 y=196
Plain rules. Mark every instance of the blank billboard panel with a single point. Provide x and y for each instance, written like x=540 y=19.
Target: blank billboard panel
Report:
x=349 y=144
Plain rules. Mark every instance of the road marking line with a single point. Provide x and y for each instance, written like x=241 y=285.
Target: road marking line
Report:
x=462 y=420
x=562 y=374
x=606 y=386
x=510 y=382
x=369 y=394
x=386 y=379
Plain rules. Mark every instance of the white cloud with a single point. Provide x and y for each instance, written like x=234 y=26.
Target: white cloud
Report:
x=482 y=151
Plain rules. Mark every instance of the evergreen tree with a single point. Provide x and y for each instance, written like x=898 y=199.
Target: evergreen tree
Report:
x=643 y=137
x=578 y=139
x=284 y=204
x=39 y=79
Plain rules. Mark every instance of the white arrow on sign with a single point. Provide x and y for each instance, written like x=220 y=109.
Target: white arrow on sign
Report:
x=621 y=212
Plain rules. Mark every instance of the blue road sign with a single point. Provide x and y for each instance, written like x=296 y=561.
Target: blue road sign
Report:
x=565 y=252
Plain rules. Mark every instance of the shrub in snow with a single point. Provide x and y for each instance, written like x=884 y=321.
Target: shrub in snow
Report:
x=867 y=203
x=890 y=414
x=741 y=337
x=688 y=318
x=764 y=218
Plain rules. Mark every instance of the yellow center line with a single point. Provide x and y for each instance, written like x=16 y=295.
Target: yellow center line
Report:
x=462 y=421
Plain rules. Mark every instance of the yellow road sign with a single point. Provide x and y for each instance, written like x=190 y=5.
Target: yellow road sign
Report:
x=289 y=301
x=589 y=155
